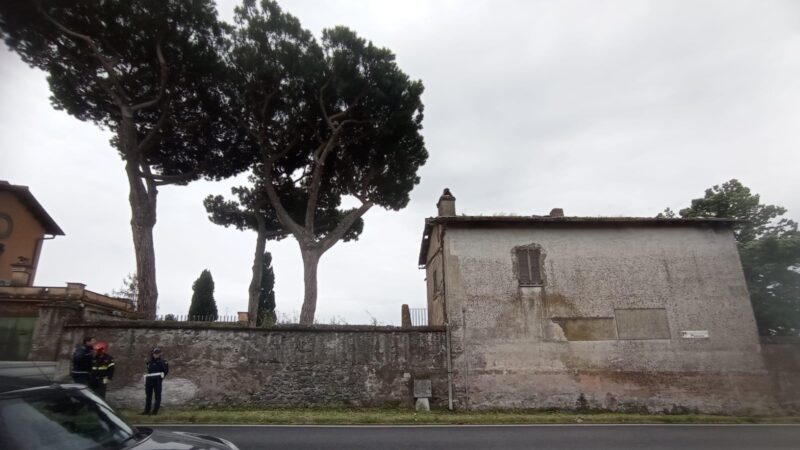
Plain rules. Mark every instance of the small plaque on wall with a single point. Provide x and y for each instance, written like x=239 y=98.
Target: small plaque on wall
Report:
x=694 y=334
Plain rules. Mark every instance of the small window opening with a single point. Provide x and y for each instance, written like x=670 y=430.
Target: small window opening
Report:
x=529 y=266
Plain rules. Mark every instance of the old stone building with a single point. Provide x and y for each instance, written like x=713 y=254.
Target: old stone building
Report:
x=596 y=312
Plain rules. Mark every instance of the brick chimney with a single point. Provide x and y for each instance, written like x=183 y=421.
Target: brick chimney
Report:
x=556 y=212
x=446 y=204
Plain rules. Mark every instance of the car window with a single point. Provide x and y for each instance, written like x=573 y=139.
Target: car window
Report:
x=59 y=420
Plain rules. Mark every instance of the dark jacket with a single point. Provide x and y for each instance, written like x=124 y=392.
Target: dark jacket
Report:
x=155 y=366
x=103 y=367
x=82 y=359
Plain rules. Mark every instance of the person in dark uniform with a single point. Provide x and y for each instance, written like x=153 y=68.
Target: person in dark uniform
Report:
x=102 y=369
x=157 y=370
x=82 y=361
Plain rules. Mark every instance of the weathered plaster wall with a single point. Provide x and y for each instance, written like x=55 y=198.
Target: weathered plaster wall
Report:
x=434 y=276
x=558 y=346
x=277 y=367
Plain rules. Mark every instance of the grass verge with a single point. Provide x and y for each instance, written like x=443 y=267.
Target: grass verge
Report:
x=365 y=416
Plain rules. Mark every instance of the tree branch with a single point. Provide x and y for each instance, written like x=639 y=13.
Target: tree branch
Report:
x=288 y=148
x=320 y=156
x=265 y=105
x=152 y=187
x=334 y=236
x=109 y=68
x=322 y=105
x=349 y=108
x=303 y=175
x=149 y=141
x=162 y=83
x=316 y=178
x=161 y=180
x=283 y=215
x=330 y=120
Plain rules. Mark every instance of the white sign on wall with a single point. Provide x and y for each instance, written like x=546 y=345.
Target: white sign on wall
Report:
x=694 y=334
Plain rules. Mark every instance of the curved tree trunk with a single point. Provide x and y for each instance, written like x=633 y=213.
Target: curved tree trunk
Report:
x=143 y=219
x=310 y=264
x=142 y=198
x=255 y=282
x=145 y=264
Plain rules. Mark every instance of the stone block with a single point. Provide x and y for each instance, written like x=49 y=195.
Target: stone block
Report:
x=405 y=316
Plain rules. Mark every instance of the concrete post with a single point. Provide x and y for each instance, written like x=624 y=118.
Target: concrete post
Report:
x=422 y=395
x=405 y=317
x=75 y=289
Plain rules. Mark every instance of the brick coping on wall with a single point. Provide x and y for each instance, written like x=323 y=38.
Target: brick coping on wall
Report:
x=237 y=327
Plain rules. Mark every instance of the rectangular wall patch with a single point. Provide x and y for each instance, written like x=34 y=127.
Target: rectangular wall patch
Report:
x=642 y=323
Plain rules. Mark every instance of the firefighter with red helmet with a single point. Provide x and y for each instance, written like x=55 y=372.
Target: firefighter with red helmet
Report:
x=102 y=369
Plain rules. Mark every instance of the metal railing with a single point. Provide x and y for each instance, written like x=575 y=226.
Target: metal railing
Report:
x=188 y=318
x=419 y=317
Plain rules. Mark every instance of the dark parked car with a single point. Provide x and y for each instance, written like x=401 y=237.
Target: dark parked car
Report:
x=71 y=417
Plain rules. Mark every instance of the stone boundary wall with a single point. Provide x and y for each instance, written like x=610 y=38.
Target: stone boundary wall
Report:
x=782 y=360
x=225 y=365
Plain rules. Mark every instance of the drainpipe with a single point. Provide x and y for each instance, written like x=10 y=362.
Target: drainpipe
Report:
x=449 y=369
x=466 y=355
x=36 y=252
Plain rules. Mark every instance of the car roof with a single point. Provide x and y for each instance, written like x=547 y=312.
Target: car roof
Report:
x=13 y=386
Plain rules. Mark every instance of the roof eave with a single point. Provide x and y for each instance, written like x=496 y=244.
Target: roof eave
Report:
x=547 y=220
x=26 y=197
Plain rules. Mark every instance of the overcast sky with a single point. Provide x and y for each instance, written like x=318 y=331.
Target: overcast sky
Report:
x=600 y=108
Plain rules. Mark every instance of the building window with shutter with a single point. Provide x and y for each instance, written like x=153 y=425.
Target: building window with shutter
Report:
x=529 y=266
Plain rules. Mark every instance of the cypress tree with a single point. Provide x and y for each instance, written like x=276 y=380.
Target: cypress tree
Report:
x=203 y=303
x=266 y=294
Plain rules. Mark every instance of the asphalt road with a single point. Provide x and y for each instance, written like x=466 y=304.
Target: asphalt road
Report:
x=562 y=437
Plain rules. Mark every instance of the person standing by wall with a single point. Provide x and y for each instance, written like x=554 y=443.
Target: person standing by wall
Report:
x=102 y=369
x=157 y=370
x=82 y=361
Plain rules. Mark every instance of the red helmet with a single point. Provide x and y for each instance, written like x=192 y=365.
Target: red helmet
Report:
x=100 y=347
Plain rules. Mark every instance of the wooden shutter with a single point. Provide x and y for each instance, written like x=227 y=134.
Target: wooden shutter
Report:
x=536 y=274
x=529 y=267
x=523 y=267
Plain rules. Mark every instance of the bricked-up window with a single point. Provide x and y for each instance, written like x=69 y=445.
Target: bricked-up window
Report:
x=529 y=266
